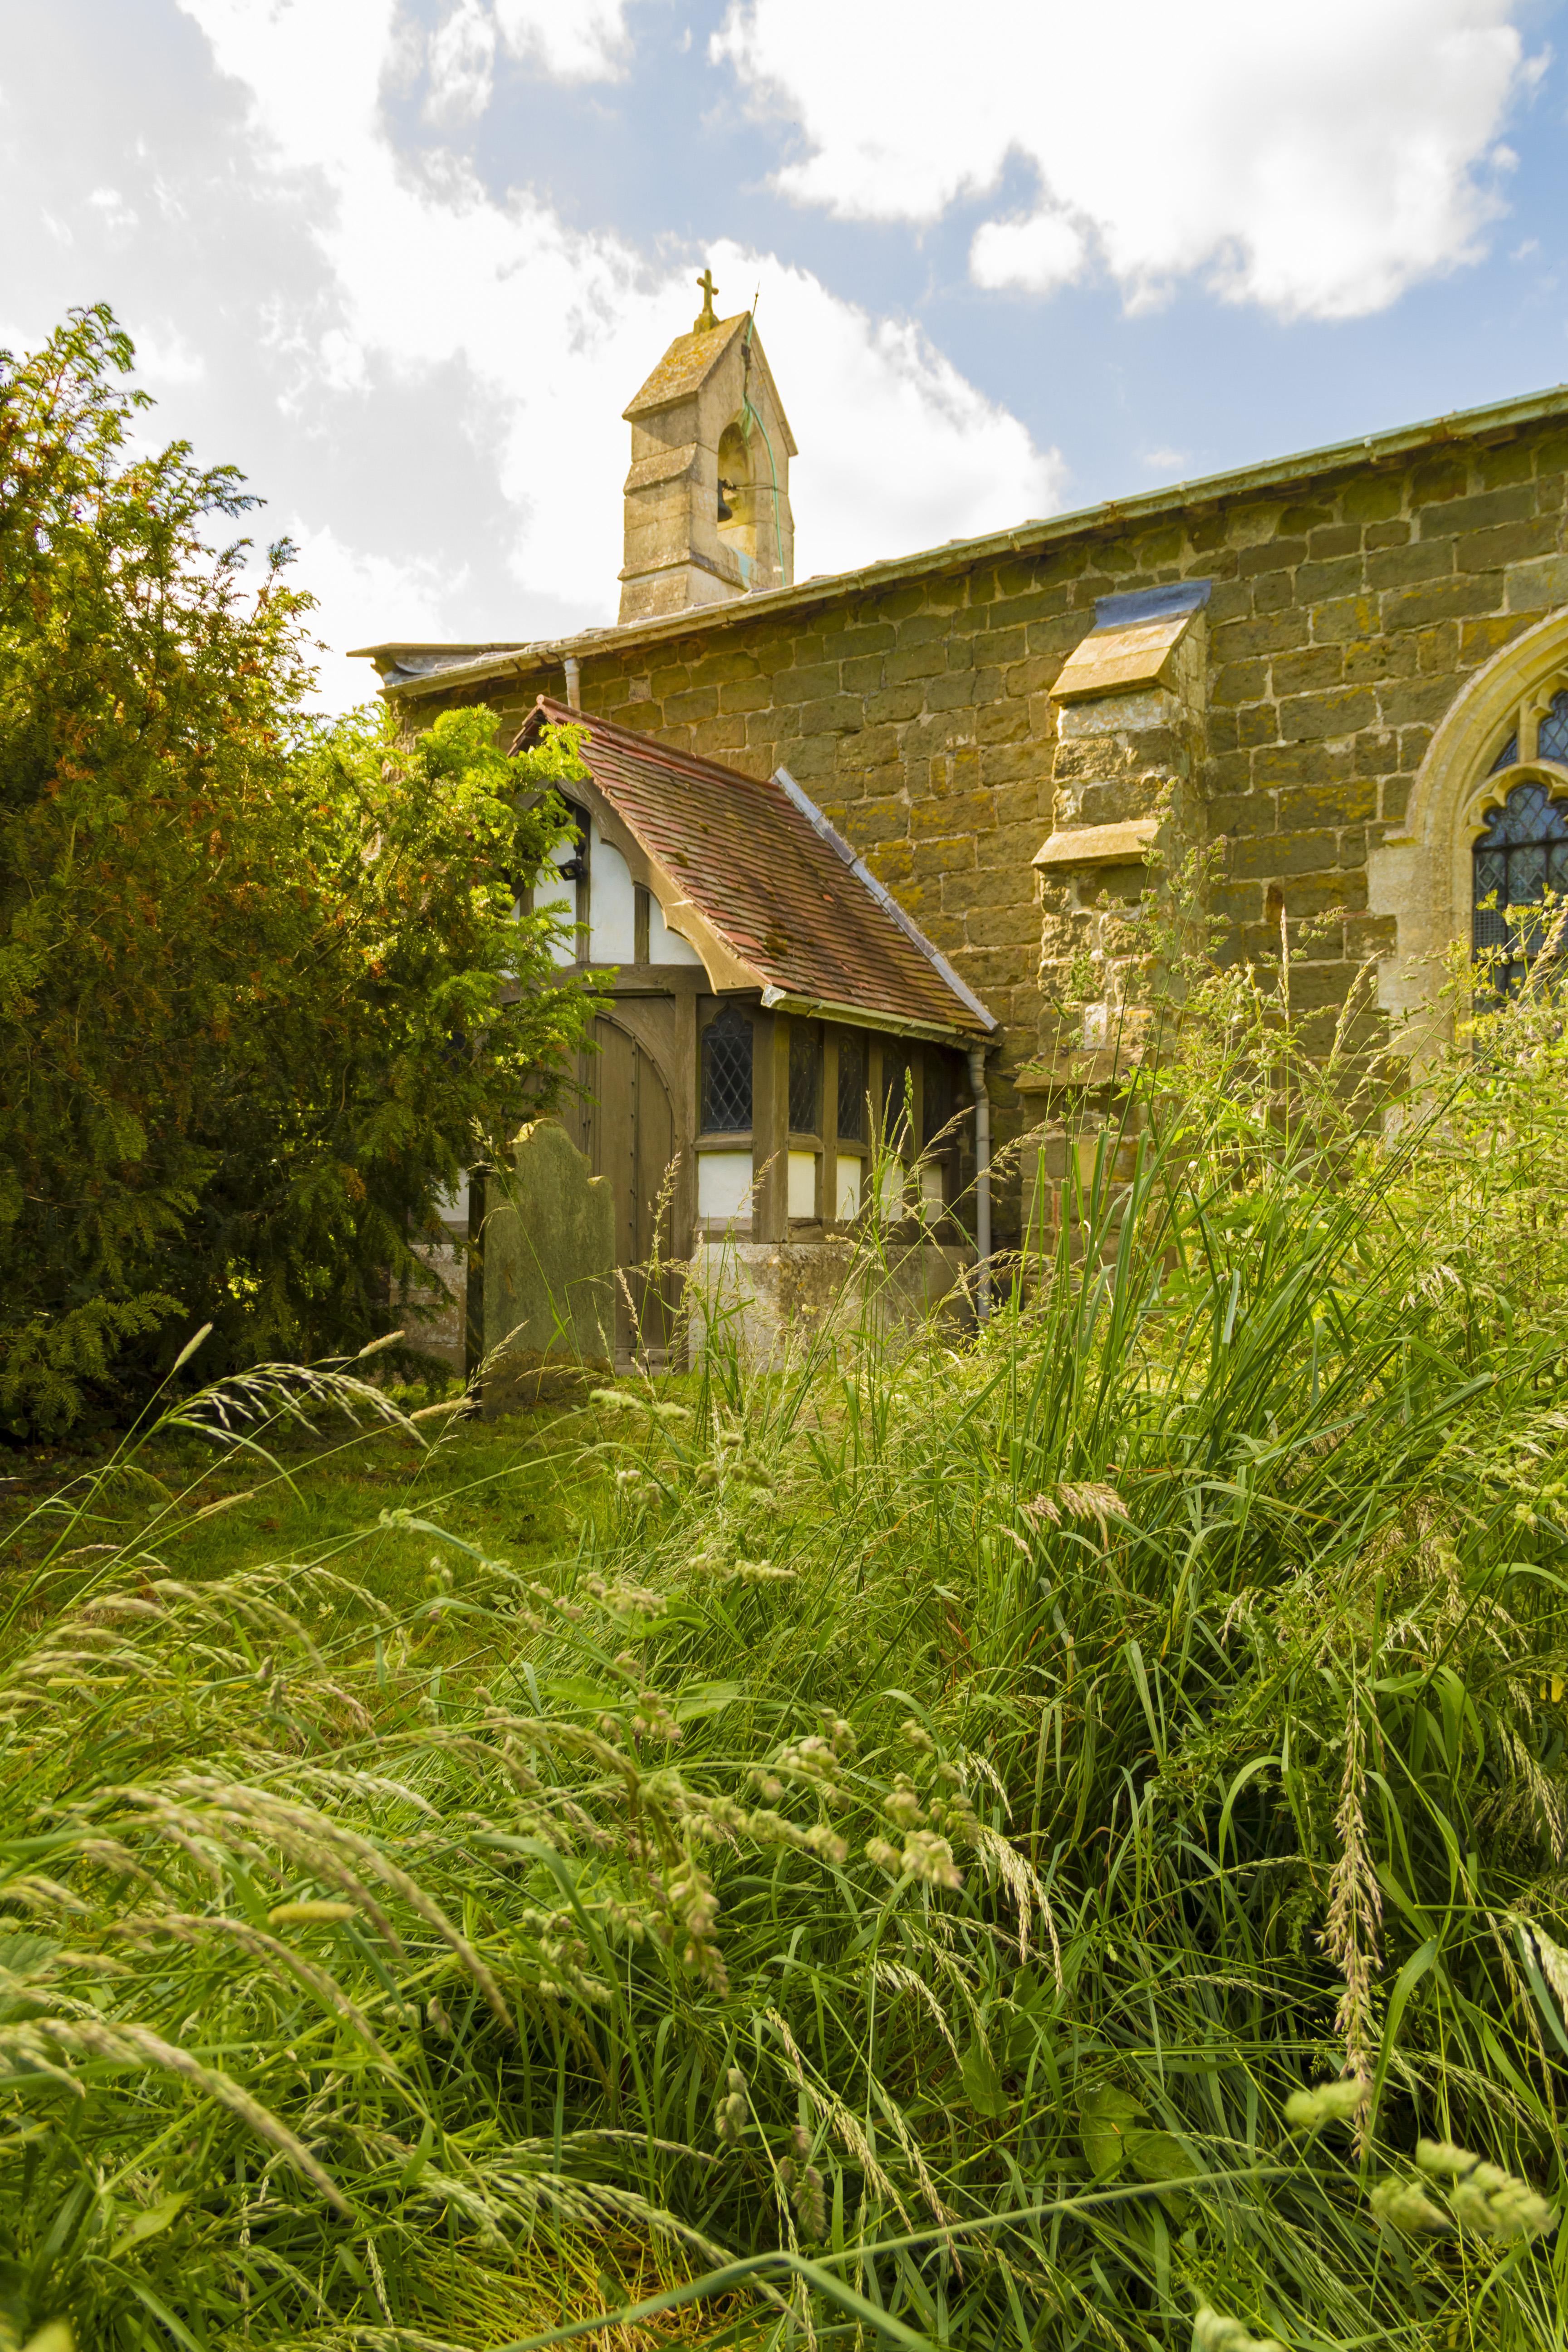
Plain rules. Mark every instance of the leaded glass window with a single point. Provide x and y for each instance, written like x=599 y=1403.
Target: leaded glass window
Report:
x=936 y=1101
x=804 y=1078
x=727 y=1073
x=1521 y=857
x=895 y=1096
x=1552 y=741
x=1508 y=757
x=852 y=1089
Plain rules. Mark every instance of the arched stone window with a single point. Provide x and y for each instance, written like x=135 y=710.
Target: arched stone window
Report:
x=1519 y=857
x=1487 y=828
x=1519 y=860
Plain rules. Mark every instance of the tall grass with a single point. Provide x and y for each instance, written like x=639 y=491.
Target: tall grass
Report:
x=910 y=1873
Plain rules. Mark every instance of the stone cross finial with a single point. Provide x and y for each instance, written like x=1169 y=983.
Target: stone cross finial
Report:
x=707 y=317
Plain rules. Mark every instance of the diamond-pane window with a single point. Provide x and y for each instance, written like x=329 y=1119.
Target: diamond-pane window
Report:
x=936 y=1101
x=804 y=1078
x=896 y=1083
x=1552 y=742
x=1508 y=757
x=1519 y=858
x=852 y=1089
x=727 y=1073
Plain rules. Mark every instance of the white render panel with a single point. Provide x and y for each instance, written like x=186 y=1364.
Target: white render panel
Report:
x=848 y=1188
x=665 y=946
x=725 y=1186
x=611 y=905
x=552 y=895
x=803 y=1183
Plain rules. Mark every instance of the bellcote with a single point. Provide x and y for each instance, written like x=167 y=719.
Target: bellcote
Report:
x=707 y=500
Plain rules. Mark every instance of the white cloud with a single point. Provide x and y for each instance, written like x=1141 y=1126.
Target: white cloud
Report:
x=572 y=40
x=355 y=591
x=166 y=357
x=1038 y=254
x=1316 y=160
x=116 y=215
x=462 y=64
x=537 y=334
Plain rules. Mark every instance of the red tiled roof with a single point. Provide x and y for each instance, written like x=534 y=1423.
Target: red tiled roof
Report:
x=777 y=890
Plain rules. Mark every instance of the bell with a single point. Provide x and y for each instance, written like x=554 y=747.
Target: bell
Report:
x=726 y=511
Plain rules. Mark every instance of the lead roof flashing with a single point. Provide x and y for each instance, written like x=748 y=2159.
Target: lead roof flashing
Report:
x=1499 y=422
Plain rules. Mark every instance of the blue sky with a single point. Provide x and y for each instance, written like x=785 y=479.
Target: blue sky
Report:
x=404 y=264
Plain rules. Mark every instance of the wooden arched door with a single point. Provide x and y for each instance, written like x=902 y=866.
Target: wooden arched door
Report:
x=624 y=1120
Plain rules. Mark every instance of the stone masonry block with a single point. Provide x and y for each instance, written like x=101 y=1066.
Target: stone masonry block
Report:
x=1267 y=854
x=970 y=813
x=1539 y=586
x=1308 y=808
x=1243 y=812
x=1508 y=543
x=1242 y=682
x=1511 y=461
x=1439 y=483
x=1310 y=717
x=1482 y=512
x=1317 y=584
x=1273 y=555
x=1402 y=567
x=806 y=685
x=1306 y=672
x=1370 y=660
x=696 y=702
x=1275 y=633
x=1345 y=619
x=1404 y=703
x=858 y=639
x=1273 y=592
x=1373 y=497
x=1441 y=600
x=918 y=661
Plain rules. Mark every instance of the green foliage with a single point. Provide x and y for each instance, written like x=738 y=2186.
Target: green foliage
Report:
x=1053 y=1843
x=261 y=995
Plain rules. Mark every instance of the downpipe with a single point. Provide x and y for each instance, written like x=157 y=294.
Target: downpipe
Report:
x=982 y=1182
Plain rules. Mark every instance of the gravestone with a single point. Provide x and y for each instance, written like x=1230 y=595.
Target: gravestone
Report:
x=549 y=1257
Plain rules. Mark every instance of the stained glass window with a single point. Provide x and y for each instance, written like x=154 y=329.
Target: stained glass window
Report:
x=804 y=1078
x=727 y=1073
x=852 y=1089
x=1552 y=742
x=1519 y=858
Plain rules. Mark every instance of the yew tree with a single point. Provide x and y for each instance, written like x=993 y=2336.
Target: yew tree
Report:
x=263 y=991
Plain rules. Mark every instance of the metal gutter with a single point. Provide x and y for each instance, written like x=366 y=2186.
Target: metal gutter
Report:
x=884 y=897
x=1500 y=422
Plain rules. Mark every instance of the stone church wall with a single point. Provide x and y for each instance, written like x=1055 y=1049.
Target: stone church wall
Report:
x=1347 y=610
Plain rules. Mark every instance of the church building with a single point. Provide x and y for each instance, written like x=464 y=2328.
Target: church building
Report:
x=903 y=814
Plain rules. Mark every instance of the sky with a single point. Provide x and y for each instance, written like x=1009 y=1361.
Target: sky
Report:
x=405 y=262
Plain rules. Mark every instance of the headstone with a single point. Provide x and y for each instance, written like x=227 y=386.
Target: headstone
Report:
x=549 y=1253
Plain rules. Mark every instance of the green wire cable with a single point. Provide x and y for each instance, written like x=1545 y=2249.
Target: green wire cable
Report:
x=749 y=418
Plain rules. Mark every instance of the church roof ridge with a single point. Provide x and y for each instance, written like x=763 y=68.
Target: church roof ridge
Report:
x=1498 y=420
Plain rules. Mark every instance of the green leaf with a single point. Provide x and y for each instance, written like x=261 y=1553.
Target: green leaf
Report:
x=147 y=2224
x=982 y=2083
x=1104 y=2114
